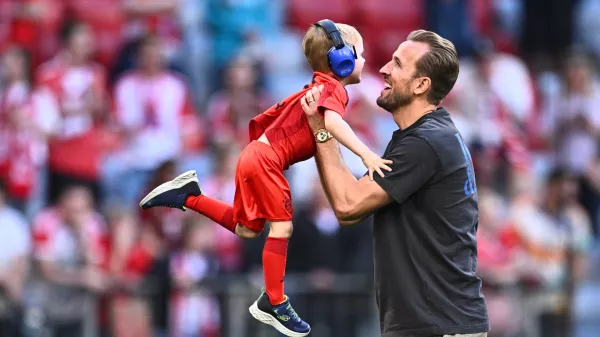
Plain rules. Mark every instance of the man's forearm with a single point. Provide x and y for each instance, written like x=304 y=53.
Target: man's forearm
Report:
x=337 y=180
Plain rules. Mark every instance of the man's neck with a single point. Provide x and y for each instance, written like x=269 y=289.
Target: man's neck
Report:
x=552 y=206
x=149 y=73
x=72 y=60
x=409 y=114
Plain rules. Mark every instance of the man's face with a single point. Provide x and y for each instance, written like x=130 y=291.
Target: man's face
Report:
x=564 y=191
x=151 y=58
x=578 y=77
x=76 y=205
x=569 y=191
x=399 y=76
x=82 y=42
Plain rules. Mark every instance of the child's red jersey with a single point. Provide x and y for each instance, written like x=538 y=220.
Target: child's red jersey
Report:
x=286 y=126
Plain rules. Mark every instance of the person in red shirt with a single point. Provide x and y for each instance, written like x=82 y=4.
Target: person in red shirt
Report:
x=281 y=137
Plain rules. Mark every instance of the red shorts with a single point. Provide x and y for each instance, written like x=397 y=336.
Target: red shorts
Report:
x=261 y=191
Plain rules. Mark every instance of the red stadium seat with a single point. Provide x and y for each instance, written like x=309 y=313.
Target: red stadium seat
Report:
x=303 y=13
x=383 y=14
x=384 y=24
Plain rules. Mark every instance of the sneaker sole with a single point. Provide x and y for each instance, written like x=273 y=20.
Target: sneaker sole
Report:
x=264 y=317
x=179 y=181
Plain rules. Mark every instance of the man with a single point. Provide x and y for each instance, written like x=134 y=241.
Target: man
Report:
x=426 y=213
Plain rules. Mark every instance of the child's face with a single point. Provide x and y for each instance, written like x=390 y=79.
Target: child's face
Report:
x=359 y=63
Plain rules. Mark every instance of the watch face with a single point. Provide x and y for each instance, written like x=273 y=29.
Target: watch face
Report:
x=322 y=136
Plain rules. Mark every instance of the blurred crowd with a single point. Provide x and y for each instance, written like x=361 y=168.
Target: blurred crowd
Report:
x=102 y=100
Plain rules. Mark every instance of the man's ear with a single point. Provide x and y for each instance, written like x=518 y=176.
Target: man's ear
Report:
x=423 y=84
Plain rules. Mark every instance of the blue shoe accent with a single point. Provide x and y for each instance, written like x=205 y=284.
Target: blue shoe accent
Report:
x=173 y=193
x=282 y=316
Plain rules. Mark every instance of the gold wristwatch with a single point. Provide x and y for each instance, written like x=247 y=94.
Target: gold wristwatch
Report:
x=322 y=136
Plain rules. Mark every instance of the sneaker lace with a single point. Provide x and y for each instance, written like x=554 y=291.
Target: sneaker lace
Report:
x=292 y=313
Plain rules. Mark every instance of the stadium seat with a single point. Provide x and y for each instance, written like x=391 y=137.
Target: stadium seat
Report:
x=385 y=14
x=384 y=24
x=303 y=13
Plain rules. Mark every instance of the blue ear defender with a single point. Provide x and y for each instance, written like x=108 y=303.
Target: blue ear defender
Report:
x=341 y=57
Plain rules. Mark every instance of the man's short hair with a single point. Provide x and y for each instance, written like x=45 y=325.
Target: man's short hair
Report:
x=147 y=40
x=440 y=64
x=559 y=174
x=316 y=44
x=69 y=28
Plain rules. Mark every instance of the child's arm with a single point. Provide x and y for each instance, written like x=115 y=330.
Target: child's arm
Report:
x=344 y=134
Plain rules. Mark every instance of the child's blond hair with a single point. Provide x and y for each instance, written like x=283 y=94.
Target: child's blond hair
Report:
x=316 y=44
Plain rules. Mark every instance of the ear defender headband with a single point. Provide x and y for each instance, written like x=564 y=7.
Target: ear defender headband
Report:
x=341 y=57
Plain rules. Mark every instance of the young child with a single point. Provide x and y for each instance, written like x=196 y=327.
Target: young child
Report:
x=281 y=137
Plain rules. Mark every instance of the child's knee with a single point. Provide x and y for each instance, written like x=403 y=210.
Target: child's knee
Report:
x=245 y=233
x=281 y=229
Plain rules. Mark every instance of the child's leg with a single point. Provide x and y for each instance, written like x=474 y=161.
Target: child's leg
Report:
x=183 y=192
x=274 y=260
x=219 y=212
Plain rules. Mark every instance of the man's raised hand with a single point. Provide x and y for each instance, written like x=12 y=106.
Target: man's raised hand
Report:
x=309 y=105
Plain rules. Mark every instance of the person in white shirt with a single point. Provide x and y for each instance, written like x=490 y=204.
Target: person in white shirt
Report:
x=14 y=265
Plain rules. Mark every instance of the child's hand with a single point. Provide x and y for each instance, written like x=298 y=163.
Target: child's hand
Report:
x=375 y=163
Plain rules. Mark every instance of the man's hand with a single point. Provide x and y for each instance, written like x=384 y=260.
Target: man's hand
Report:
x=309 y=105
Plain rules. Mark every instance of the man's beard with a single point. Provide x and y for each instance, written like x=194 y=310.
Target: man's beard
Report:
x=394 y=100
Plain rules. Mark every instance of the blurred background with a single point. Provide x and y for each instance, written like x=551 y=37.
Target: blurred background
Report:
x=102 y=100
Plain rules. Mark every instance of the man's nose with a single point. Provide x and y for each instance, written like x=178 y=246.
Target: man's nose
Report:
x=385 y=69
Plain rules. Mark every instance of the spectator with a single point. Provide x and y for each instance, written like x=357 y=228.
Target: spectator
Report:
x=22 y=144
x=576 y=131
x=32 y=24
x=151 y=103
x=195 y=309
x=72 y=99
x=142 y=18
x=165 y=223
x=497 y=264
x=14 y=266
x=552 y=237
x=221 y=186
x=69 y=245
x=496 y=94
x=131 y=255
x=107 y=25
x=153 y=17
x=231 y=109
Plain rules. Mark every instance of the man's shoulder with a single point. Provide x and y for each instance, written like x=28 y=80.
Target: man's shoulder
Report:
x=441 y=134
x=436 y=127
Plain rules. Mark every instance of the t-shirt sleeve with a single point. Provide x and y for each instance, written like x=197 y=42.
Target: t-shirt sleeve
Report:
x=414 y=163
x=333 y=98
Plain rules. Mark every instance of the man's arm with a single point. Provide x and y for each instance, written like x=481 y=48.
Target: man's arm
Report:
x=352 y=200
